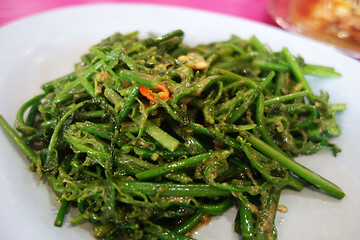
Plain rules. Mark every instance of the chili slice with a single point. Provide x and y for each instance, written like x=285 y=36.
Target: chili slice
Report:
x=149 y=94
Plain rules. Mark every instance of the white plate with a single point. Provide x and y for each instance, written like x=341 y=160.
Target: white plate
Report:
x=45 y=46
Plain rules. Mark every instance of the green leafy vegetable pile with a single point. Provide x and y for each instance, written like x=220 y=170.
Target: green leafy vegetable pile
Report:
x=147 y=136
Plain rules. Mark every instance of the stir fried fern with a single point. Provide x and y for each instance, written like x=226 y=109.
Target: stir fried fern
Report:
x=147 y=136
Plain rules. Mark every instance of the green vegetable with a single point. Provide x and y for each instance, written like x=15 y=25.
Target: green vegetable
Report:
x=226 y=137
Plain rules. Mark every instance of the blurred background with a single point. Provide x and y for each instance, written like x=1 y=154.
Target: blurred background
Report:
x=336 y=22
x=11 y=10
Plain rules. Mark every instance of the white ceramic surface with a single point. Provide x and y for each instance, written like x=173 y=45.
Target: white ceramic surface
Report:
x=45 y=46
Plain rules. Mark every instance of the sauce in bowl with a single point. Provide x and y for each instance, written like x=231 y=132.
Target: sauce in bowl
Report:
x=333 y=21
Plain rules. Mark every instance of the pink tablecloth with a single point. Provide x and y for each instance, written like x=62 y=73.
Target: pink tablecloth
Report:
x=11 y=10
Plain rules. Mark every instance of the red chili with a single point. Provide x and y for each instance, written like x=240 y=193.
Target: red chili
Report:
x=149 y=94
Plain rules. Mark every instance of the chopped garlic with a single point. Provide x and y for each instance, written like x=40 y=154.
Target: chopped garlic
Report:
x=282 y=208
x=194 y=61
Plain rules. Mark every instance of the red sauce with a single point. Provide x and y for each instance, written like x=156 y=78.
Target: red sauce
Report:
x=333 y=21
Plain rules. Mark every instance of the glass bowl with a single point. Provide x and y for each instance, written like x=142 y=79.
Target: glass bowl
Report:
x=336 y=22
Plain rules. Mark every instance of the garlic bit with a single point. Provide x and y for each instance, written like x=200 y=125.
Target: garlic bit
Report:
x=194 y=61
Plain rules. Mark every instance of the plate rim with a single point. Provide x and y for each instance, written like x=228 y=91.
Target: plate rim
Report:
x=181 y=8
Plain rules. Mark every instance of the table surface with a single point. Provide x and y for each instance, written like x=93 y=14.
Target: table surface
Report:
x=12 y=10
